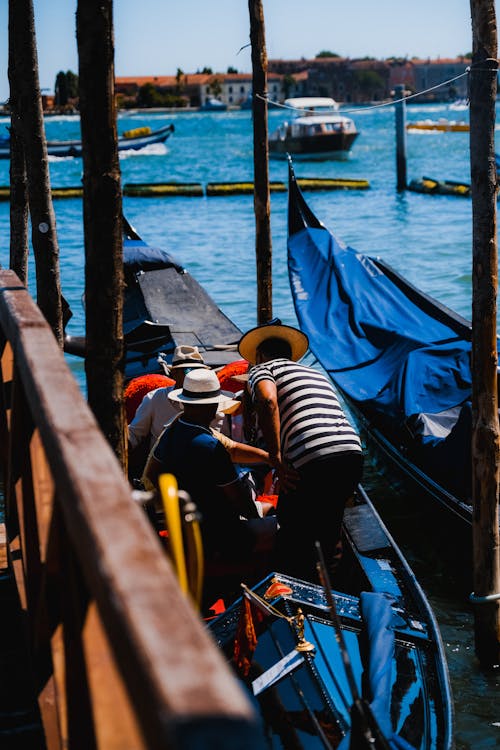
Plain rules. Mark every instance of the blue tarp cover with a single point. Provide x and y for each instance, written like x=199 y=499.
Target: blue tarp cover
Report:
x=380 y=621
x=379 y=346
x=138 y=256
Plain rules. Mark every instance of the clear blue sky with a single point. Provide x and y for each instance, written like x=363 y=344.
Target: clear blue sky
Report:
x=158 y=36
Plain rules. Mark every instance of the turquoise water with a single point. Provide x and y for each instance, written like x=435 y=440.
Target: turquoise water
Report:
x=428 y=238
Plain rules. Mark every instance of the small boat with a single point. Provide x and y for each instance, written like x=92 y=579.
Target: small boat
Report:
x=400 y=359
x=213 y=105
x=134 y=139
x=163 y=307
x=358 y=666
x=441 y=125
x=318 y=132
x=459 y=105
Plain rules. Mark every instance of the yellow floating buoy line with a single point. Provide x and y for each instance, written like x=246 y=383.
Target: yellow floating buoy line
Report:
x=160 y=189
x=240 y=188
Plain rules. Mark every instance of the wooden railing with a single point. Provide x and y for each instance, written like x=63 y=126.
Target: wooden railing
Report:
x=120 y=658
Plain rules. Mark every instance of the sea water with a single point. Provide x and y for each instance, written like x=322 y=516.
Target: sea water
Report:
x=427 y=238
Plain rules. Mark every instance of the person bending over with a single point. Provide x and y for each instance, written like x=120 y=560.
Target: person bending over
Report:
x=315 y=451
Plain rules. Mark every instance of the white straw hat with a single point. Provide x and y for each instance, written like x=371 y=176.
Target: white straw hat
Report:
x=203 y=387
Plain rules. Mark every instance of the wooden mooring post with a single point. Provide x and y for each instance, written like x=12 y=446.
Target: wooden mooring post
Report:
x=262 y=203
x=399 y=94
x=485 y=426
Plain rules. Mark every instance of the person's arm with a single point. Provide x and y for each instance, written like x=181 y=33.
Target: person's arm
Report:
x=151 y=473
x=242 y=453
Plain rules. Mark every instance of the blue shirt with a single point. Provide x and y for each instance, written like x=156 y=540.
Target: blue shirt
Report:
x=202 y=466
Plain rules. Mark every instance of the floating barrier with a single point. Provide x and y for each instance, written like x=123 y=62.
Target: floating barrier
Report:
x=439 y=187
x=148 y=189
x=157 y=189
x=67 y=192
x=62 y=192
x=240 y=188
x=318 y=183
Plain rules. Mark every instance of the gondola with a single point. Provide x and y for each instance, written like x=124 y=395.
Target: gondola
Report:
x=134 y=139
x=400 y=359
x=357 y=666
x=164 y=307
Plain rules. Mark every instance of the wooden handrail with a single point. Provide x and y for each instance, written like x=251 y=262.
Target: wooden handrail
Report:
x=121 y=658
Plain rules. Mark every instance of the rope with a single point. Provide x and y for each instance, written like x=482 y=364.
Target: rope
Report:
x=483 y=599
x=466 y=72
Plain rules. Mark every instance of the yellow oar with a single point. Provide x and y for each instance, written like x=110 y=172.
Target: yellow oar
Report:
x=170 y=498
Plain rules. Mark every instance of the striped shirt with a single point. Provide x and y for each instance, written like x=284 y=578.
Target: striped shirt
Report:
x=313 y=424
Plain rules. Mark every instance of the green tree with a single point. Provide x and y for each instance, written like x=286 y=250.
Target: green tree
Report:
x=369 y=83
x=61 y=89
x=326 y=53
x=231 y=70
x=72 y=84
x=288 y=82
x=178 y=80
x=215 y=87
x=207 y=71
x=66 y=87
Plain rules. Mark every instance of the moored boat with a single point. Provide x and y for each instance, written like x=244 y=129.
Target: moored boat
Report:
x=358 y=666
x=134 y=139
x=317 y=132
x=164 y=306
x=213 y=105
x=400 y=359
x=442 y=125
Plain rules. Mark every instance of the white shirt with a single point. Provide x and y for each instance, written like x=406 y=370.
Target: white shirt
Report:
x=153 y=413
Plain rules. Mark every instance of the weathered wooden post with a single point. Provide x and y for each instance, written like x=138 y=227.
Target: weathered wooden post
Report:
x=102 y=213
x=485 y=427
x=19 y=210
x=263 y=246
x=399 y=94
x=23 y=73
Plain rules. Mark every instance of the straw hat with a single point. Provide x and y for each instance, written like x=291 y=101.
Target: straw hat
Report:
x=201 y=386
x=251 y=340
x=187 y=356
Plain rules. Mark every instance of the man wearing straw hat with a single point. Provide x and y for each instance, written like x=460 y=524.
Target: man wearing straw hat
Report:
x=313 y=448
x=232 y=526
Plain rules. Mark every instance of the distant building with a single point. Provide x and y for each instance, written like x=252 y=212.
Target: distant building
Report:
x=197 y=88
x=363 y=80
x=345 y=80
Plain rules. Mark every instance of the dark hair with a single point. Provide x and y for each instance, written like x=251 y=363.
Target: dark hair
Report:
x=275 y=347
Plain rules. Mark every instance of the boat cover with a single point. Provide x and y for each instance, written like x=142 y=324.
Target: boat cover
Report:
x=380 y=347
x=380 y=621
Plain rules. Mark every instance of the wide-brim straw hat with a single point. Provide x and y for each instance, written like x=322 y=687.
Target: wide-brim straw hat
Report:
x=250 y=341
x=202 y=387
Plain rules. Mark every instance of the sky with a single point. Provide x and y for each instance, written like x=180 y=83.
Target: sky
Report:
x=156 y=37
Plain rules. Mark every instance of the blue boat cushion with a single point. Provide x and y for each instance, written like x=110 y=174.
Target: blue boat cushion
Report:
x=379 y=621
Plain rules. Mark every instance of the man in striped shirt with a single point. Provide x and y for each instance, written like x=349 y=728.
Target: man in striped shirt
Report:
x=313 y=448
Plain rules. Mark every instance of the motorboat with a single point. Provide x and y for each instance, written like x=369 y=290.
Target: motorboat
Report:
x=317 y=132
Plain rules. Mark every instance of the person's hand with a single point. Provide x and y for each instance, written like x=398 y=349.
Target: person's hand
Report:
x=288 y=477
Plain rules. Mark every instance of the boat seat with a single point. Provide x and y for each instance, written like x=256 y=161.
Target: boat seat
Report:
x=364 y=529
